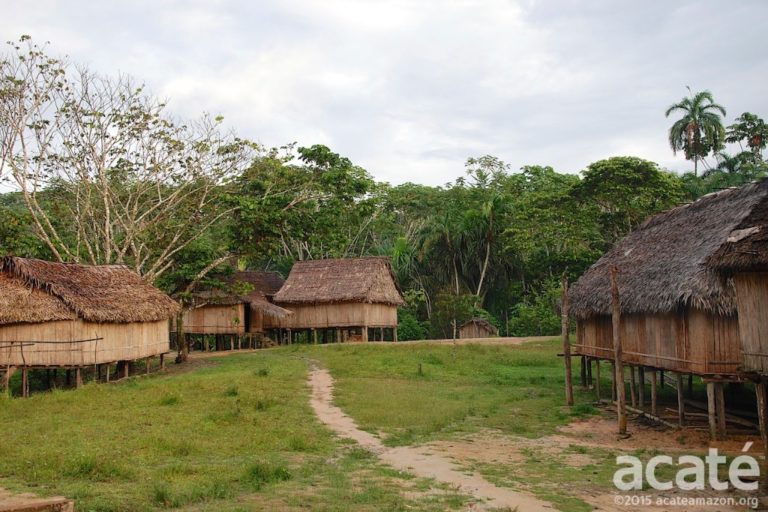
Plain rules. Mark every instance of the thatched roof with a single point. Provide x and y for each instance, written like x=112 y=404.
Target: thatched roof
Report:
x=33 y=291
x=664 y=264
x=747 y=246
x=482 y=323
x=254 y=288
x=368 y=280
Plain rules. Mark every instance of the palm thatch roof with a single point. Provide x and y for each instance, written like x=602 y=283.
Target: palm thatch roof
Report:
x=34 y=291
x=482 y=323
x=370 y=280
x=747 y=246
x=665 y=264
x=254 y=288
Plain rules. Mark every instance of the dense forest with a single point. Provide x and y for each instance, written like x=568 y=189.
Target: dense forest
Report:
x=97 y=171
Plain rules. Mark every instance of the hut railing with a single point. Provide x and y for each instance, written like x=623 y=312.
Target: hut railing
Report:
x=73 y=349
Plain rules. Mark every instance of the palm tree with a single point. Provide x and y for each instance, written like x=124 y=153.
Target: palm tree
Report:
x=700 y=129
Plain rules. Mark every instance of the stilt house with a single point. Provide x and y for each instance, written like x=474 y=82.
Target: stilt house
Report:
x=678 y=311
x=56 y=315
x=351 y=299
x=243 y=304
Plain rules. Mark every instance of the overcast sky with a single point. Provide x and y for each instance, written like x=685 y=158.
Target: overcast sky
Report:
x=409 y=90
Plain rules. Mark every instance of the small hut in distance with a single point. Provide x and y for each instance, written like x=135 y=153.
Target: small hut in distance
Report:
x=58 y=315
x=477 y=328
x=241 y=306
x=341 y=299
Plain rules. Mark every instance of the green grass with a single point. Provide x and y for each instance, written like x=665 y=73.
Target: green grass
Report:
x=236 y=433
x=518 y=390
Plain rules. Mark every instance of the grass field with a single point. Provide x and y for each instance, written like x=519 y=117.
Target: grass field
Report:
x=237 y=433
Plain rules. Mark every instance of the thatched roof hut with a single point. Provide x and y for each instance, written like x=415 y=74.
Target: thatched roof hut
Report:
x=353 y=293
x=678 y=312
x=477 y=328
x=60 y=314
x=243 y=303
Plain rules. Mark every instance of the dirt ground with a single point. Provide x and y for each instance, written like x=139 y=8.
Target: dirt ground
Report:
x=29 y=502
x=598 y=432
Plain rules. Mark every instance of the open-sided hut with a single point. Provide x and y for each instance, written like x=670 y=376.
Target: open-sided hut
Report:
x=57 y=315
x=341 y=298
x=677 y=312
x=243 y=304
x=477 y=328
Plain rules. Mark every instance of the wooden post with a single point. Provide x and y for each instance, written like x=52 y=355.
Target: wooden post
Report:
x=633 y=386
x=126 y=369
x=78 y=378
x=162 y=361
x=9 y=370
x=761 y=388
x=680 y=401
x=108 y=365
x=565 y=331
x=365 y=333
x=720 y=404
x=338 y=336
x=583 y=372
x=597 y=378
x=619 y=375
x=590 y=381
x=148 y=365
x=711 y=410
x=394 y=334
x=314 y=336
x=641 y=389
x=654 y=409
x=290 y=337
x=24 y=381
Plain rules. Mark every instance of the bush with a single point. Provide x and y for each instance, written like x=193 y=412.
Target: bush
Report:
x=408 y=327
x=537 y=315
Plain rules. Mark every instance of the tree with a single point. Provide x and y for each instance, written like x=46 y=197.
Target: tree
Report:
x=751 y=129
x=626 y=190
x=700 y=129
x=132 y=186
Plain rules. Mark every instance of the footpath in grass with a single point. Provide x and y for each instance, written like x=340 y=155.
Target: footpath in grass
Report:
x=234 y=434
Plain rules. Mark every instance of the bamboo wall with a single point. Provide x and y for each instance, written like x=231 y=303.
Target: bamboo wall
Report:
x=347 y=314
x=121 y=342
x=213 y=319
x=752 y=303
x=690 y=341
x=475 y=331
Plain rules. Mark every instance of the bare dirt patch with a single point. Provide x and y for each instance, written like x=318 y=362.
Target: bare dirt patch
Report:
x=29 y=502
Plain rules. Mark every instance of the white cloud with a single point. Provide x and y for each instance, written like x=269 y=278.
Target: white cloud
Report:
x=411 y=89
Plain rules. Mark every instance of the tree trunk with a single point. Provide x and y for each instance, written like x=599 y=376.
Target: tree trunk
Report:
x=181 y=339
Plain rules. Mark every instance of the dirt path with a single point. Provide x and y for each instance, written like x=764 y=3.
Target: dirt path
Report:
x=420 y=462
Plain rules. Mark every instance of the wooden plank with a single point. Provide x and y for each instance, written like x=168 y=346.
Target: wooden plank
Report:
x=711 y=410
x=565 y=331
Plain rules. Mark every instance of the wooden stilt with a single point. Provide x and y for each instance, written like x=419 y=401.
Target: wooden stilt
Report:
x=148 y=365
x=314 y=336
x=711 y=410
x=290 y=337
x=78 y=378
x=633 y=386
x=590 y=381
x=690 y=386
x=583 y=372
x=566 y=333
x=641 y=387
x=9 y=371
x=617 y=350
x=365 y=333
x=24 y=381
x=654 y=408
x=108 y=371
x=720 y=404
x=680 y=401
x=761 y=388
x=126 y=370
x=394 y=334
x=162 y=361
x=597 y=379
